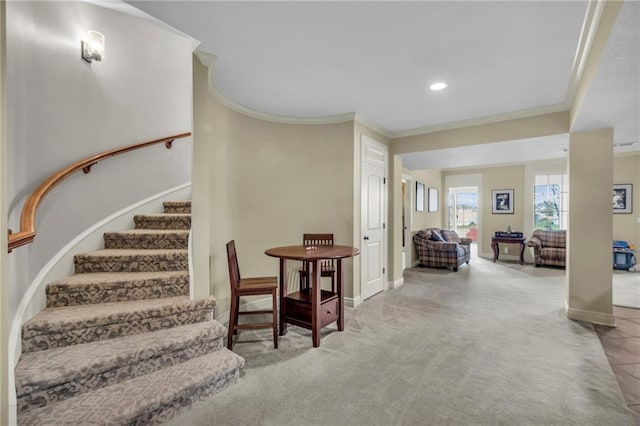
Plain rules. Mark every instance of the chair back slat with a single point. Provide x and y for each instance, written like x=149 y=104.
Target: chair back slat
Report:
x=317 y=239
x=232 y=260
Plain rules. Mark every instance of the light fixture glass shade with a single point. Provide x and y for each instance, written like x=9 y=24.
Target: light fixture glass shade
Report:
x=93 y=47
x=438 y=86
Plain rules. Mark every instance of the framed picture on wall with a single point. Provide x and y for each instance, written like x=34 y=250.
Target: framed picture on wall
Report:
x=502 y=201
x=433 y=200
x=419 y=197
x=623 y=198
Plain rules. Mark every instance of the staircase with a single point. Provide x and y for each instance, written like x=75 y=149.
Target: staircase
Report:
x=120 y=342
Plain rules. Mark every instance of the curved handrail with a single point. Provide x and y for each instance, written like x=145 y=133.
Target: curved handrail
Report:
x=27 y=231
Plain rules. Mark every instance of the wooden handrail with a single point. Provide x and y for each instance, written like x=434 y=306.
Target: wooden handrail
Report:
x=28 y=217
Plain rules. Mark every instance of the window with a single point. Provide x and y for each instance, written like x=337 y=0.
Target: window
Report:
x=551 y=200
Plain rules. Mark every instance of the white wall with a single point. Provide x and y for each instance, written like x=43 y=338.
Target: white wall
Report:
x=4 y=285
x=62 y=109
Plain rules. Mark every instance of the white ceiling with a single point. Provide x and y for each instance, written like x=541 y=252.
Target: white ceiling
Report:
x=318 y=59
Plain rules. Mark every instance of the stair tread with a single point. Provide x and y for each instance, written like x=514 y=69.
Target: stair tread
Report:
x=151 y=231
x=164 y=215
x=44 y=369
x=122 y=402
x=108 y=279
x=66 y=317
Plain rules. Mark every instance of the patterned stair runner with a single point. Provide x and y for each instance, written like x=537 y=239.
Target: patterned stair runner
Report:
x=120 y=342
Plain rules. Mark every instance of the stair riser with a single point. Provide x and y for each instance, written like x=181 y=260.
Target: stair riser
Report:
x=177 y=209
x=157 y=241
x=85 y=333
x=163 y=222
x=30 y=398
x=95 y=294
x=150 y=263
x=172 y=207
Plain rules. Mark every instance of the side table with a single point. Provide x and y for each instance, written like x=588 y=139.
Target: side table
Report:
x=495 y=244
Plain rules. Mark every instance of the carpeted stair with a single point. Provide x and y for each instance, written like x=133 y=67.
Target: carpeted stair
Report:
x=120 y=342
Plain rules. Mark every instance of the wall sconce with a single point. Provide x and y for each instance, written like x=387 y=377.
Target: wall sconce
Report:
x=93 y=47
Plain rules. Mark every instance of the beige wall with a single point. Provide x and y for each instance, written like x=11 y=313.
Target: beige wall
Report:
x=421 y=219
x=268 y=184
x=396 y=229
x=286 y=180
x=589 y=259
x=426 y=219
x=509 y=177
x=626 y=169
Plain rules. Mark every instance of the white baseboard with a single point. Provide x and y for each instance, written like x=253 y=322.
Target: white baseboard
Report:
x=397 y=283
x=352 y=302
x=590 y=316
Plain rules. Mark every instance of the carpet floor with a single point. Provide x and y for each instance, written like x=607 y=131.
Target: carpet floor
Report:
x=487 y=345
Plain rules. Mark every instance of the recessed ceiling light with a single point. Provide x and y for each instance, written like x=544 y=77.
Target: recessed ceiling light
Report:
x=438 y=86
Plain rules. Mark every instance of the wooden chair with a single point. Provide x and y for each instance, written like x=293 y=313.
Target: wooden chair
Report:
x=327 y=267
x=249 y=287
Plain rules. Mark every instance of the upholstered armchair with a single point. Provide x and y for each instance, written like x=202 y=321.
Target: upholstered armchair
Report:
x=549 y=247
x=442 y=248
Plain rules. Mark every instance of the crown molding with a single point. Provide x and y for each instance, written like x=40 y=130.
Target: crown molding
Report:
x=209 y=61
x=595 y=9
x=525 y=113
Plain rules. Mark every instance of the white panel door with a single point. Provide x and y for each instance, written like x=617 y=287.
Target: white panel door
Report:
x=373 y=221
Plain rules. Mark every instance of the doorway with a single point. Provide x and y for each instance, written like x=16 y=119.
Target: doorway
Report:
x=463 y=211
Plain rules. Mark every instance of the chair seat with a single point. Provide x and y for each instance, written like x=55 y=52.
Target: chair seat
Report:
x=259 y=283
x=259 y=280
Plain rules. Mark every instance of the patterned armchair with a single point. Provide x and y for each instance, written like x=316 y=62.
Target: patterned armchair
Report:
x=549 y=247
x=442 y=248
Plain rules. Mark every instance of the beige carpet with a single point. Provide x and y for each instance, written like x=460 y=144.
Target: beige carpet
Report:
x=488 y=345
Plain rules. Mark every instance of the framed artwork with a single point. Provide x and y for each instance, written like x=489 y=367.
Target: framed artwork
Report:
x=623 y=198
x=433 y=200
x=419 y=197
x=502 y=201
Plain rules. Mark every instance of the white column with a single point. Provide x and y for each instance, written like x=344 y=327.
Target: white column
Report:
x=590 y=232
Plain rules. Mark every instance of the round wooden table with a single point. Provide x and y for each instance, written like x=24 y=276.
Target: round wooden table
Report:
x=312 y=308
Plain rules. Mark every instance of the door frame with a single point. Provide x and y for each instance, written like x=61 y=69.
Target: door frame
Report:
x=408 y=221
x=366 y=140
x=454 y=181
